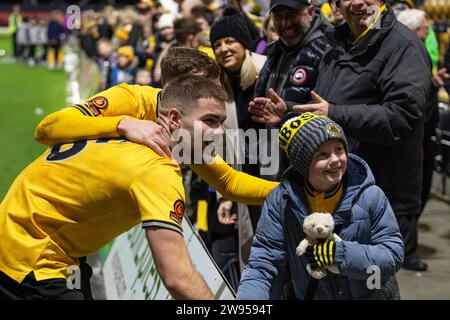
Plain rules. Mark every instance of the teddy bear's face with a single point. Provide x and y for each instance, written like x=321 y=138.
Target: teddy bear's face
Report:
x=318 y=225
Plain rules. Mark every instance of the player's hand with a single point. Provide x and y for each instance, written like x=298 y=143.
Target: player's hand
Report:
x=163 y=122
x=148 y=133
x=270 y=110
x=320 y=106
x=224 y=213
x=321 y=254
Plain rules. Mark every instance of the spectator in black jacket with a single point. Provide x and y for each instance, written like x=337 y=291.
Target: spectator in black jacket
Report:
x=447 y=66
x=293 y=60
x=416 y=20
x=375 y=82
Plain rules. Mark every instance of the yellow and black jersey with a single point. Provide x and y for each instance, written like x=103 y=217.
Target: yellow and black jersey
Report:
x=75 y=198
x=99 y=116
x=323 y=201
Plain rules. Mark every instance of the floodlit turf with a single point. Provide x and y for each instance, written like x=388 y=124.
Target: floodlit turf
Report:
x=5 y=44
x=22 y=91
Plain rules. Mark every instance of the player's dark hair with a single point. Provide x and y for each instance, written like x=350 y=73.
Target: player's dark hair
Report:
x=182 y=92
x=179 y=61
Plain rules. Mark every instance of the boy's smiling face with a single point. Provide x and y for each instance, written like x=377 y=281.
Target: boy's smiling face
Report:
x=328 y=166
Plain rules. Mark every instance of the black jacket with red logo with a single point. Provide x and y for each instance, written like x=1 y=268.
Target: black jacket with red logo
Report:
x=292 y=71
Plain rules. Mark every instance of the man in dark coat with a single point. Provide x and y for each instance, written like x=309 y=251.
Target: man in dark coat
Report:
x=293 y=60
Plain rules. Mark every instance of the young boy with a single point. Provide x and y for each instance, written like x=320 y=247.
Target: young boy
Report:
x=323 y=177
x=125 y=68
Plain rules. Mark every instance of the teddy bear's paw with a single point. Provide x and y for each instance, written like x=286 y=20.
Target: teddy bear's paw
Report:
x=316 y=274
x=301 y=248
x=299 y=251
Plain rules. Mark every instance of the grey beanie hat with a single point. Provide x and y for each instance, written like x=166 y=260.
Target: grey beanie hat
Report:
x=300 y=137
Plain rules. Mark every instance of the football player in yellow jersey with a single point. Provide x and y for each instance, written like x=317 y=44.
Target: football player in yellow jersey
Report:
x=77 y=197
x=109 y=114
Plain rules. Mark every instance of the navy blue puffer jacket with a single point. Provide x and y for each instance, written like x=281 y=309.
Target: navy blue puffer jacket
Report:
x=364 y=220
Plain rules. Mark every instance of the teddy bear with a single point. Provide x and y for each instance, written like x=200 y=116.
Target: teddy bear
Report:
x=318 y=226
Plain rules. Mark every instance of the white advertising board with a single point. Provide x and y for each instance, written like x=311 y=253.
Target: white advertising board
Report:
x=129 y=271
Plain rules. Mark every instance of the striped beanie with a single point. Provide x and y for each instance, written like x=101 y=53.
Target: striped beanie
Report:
x=300 y=137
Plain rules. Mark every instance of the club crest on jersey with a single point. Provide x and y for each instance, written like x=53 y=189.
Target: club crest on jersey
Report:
x=299 y=76
x=178 y=211
x=96 y=103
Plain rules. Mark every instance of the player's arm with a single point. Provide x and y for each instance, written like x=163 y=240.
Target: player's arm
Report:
x=232 y=184
x=69 y=125
x=158 y=193
x=98 y=116
x=174 y=265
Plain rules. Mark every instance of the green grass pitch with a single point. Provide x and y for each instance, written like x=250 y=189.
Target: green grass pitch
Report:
x=22 y=91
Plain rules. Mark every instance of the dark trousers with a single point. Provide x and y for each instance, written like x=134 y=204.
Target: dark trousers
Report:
x=31 y=289
x=408 y=229
x=43 y=54
x=51 y=289
x=16 y=49
x=55 y=48
x=31 y=52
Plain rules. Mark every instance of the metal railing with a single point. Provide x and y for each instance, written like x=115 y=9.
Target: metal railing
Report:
x=442 y=157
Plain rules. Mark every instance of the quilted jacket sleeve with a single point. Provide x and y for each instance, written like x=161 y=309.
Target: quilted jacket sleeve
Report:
x=268 y=253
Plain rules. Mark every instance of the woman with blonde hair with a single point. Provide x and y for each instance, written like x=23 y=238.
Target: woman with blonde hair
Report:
x=231 y=42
